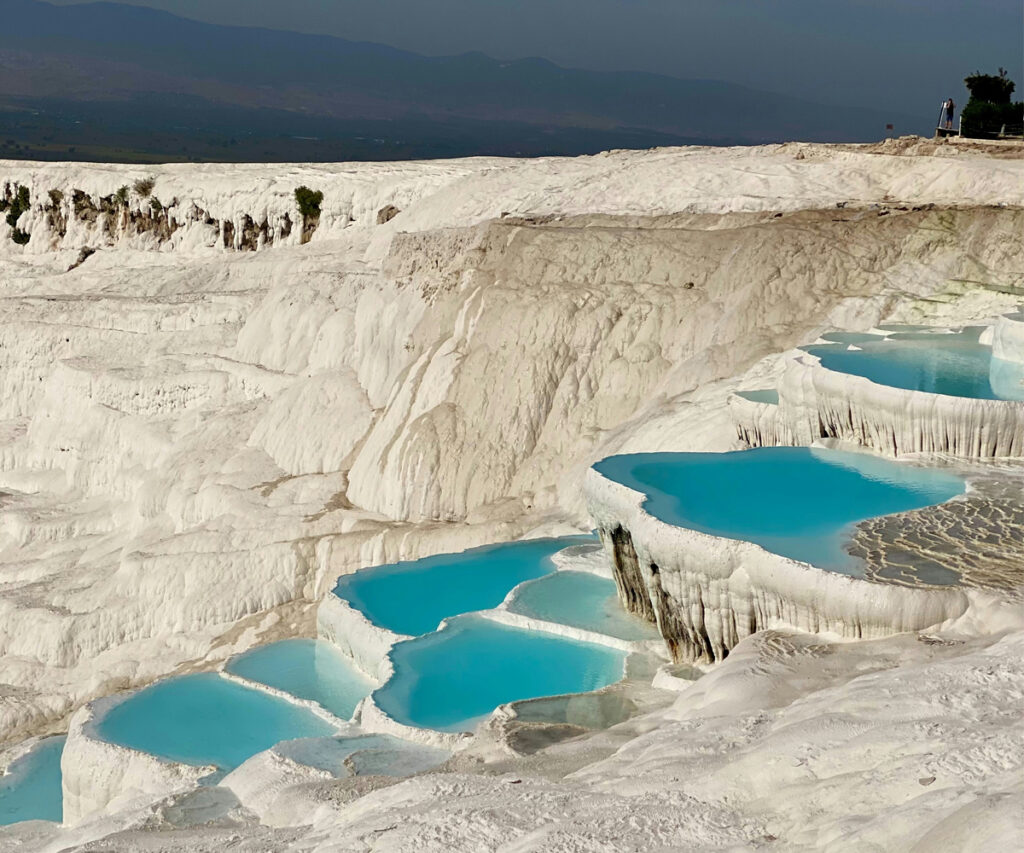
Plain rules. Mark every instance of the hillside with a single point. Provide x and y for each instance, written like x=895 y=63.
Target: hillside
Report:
x=95 y=76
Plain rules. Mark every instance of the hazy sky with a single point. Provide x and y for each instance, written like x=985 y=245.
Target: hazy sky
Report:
x=904 y=55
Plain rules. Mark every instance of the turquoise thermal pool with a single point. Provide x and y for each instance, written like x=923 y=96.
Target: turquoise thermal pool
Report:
x=206 y=719
x=581 y=600
x=31 y=788
x=950 y=363
x=450 y=679
x=799 y=502
x=308 y=669
x=761 y=395
x=364 y=755
x=414 y=597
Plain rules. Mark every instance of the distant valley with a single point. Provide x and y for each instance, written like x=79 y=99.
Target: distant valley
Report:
x=108 y=82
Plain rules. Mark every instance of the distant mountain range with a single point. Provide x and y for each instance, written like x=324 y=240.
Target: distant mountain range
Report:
x=110 y=79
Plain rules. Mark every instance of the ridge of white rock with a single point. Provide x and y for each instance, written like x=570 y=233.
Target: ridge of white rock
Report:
x=815 y=403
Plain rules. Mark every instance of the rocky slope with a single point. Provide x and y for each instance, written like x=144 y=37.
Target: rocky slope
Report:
x=204 y=425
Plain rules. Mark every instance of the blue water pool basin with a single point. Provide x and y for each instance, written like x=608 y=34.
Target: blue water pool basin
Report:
x=451 y=679
x=952 y=363
x=581 y=600
x=414 y=597
x=308 y=669
x=799 y=502
x=205 y=719
x=761 y=395
x=364 y=755
x=31 y=788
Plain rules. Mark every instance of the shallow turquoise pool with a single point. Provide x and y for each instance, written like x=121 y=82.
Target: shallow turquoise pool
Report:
x=449 y=680
x=364 y=755
x=799 y=502
x=761 y=395
x=31 y=788
x=955 y=364
x=414 y=597
x=206 y=719
x=582 y=600
x=309 y=669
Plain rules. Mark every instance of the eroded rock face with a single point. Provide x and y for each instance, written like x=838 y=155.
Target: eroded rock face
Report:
x=707 y=593
x=387 y=213
x=628 y=576
x=815 y=402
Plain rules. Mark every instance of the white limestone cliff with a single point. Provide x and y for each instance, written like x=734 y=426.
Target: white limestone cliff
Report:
x=707 y=593
x=815 y=402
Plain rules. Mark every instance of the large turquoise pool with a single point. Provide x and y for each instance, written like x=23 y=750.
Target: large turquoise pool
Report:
x=449 y=680
x=581 y=600
x=31 y=788
x=309 y=669
x=206 y=719
x=951 y=363
x=414 y=597
x=799 y=502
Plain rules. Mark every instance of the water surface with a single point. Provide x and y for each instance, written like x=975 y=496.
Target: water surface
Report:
x=308 y=669
x=206 y=719
x=414 y=597
x=449 y=680
x=31 y=788
x=951 y=363
x=761 y=395
x=799 y=502
x=582 y=600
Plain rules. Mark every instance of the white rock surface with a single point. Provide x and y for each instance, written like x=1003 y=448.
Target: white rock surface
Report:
x=1008 y=338
x=196 y=440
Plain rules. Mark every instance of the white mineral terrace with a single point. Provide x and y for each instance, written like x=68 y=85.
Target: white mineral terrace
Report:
x=815 y=402
x=213 y=407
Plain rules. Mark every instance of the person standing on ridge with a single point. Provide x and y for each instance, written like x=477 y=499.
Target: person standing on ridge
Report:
x=950 y=106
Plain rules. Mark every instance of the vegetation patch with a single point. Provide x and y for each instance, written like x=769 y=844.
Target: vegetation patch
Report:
x=16 y=206
x=990 y=112
x=144 y=187
x=309 y=201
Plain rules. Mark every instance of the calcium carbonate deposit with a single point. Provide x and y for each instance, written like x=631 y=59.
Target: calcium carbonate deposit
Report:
x=216 y=409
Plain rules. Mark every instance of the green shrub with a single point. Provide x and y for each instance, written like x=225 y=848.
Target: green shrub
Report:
x=20 y=237
x=989 y=108
x=17 y=207
x=144 y=187
x=56 y=197
x=309 y=201
x=154 y=205
x=990 y=87
x=121 y=196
